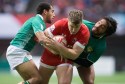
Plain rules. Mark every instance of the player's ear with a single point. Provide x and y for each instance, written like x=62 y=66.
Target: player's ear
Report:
x=45 y=11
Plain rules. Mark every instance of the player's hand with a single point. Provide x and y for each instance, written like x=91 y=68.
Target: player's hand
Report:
x=51 y=50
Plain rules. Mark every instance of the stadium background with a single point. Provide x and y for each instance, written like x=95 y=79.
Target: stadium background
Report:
x=13 y=13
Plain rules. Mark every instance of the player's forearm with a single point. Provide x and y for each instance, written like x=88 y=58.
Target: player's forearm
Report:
x=67 y=53
x=41 y=37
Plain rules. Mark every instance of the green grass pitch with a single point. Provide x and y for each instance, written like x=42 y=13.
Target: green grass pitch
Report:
x=118 y=78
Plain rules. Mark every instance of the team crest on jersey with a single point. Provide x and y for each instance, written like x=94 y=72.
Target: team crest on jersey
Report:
x=89 y=49
x=74 y=40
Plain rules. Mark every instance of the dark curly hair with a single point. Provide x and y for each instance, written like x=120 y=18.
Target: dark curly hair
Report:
x=111 y=25
x=43 y=6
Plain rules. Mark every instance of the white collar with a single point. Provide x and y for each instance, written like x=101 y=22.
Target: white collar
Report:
x=40 y=16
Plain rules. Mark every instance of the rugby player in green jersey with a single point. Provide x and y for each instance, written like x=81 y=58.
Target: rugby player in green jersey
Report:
x=18 y=53
x=105 y=27
x=95 y=47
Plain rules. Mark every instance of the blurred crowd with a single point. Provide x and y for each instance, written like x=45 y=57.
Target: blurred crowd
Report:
x=93 y=8
x=13 y=6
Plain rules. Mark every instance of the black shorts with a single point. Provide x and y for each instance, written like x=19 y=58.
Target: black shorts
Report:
x=82 y=60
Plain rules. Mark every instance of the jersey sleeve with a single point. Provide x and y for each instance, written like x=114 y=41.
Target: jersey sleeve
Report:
x=83 y=38
x=55 y=29
x=37 y=26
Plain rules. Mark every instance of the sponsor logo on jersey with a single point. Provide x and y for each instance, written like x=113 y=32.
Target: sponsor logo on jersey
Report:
x=89 y=49
x=74 y=40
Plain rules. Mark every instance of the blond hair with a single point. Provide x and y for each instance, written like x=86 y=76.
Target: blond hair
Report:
x=75 y=16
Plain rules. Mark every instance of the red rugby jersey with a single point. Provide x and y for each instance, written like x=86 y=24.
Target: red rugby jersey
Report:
x=61 y=28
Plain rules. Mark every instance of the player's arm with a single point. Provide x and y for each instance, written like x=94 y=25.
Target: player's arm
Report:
x=71 y=53
x=38 y=30
x=50 y=35
x=42 y=38
x=67 y=52
x=50 y=32
x=76 y=50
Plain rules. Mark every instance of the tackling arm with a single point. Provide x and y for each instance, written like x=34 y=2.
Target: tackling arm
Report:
x=42 y=38
x=70 y=53
x=67 y=52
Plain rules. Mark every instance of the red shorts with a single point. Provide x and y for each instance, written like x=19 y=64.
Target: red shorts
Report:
x=51 y=60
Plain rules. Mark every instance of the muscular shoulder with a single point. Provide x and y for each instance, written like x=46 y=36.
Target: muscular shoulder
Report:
x=84 y=34
x=84 y=30
x=61 y=21
x=38 y=19
x=65 y=20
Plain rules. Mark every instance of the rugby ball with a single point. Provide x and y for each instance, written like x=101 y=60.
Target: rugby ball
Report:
x=61 y=39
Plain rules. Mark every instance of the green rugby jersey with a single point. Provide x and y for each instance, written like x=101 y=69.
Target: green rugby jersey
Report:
x=94 y=48
x=25 y=38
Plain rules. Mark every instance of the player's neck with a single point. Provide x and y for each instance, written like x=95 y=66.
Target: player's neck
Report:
x=97 y=37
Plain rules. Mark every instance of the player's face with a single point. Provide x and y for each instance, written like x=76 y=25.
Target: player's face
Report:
x=73 y=28
x=100 y=28
x=50 y=15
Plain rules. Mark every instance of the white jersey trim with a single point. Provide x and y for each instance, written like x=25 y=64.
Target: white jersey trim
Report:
x=38 y=31
x=50 y=29
x=75 y=64
x=47 y=66
x=80 y=45
x=65 y=64
x=41 y=16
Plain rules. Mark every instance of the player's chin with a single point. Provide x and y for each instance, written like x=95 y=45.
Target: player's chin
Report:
x=52 y=20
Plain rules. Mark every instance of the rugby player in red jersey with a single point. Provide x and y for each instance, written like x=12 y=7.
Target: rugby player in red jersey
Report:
x=76 y=35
